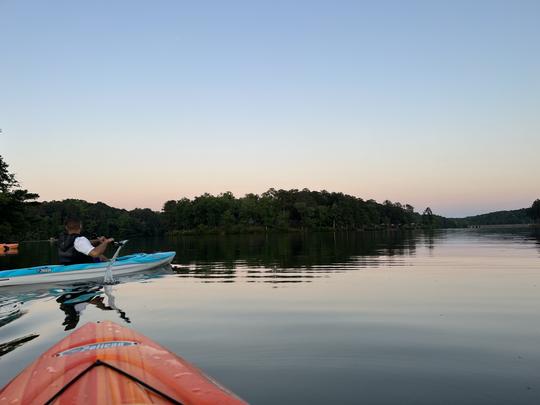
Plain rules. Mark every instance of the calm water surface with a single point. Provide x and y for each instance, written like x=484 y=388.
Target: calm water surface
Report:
x=377 y=318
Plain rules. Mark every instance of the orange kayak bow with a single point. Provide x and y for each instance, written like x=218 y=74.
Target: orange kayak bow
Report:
x=104 y=363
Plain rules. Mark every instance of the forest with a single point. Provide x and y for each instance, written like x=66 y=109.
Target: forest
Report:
x=24 y=218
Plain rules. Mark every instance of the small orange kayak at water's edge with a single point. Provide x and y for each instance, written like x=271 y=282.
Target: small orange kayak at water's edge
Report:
x=9 y=252
x=4 y=247
x=104 y=363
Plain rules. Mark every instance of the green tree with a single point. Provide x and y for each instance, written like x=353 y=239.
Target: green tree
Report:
x=534 y=211
x=428 y=218
x=170 y=214
x=14 y=217
x=7 y=179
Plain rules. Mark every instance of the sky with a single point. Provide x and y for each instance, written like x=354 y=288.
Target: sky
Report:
x=133 y=103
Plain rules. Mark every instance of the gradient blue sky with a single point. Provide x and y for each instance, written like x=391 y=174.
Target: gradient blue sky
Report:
x=134 y=103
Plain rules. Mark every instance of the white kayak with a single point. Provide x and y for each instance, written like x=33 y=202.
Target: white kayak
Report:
x=88 y=271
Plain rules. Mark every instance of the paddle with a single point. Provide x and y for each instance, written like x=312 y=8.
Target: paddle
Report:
x=109 y=279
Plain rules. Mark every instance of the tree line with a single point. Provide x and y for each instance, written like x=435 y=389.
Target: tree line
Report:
x=23 y=218
x=289 y=210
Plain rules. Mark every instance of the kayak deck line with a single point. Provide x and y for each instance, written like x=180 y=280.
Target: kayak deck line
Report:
x=116 y=369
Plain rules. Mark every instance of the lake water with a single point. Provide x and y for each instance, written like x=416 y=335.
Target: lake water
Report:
x=377 y=318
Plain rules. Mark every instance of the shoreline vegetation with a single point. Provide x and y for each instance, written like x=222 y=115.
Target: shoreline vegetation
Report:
x=22 y=218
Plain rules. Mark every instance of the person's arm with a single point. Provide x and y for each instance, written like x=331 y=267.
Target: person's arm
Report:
x=97 y=241
x=84 y=246
x=100 y=249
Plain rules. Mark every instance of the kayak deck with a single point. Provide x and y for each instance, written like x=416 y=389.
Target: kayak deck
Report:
x=104 y=363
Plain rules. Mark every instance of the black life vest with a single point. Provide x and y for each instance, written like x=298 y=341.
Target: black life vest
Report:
x=67 y=254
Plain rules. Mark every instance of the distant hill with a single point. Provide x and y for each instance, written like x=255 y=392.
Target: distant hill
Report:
x=495 y=218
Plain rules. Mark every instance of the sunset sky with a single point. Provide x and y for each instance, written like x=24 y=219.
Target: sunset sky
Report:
x=134 y=103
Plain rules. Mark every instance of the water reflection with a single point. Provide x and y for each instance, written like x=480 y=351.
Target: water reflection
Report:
x=267 y=258
x=535 y=235
x=10 y=309
x=7 y=347
x=290 y=250
x=72 y=301
x=75 y=301
x=359 y=312
x=10 y=252
x=289 y=258
x=299 y=250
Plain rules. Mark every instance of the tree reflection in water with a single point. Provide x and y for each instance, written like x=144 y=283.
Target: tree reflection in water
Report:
x=74 y=302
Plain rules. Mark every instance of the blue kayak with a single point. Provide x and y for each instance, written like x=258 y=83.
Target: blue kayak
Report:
x=88 y=271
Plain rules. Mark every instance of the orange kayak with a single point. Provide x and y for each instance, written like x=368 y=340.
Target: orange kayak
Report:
x=9 y=252
x=104 y=363
x=8 y=246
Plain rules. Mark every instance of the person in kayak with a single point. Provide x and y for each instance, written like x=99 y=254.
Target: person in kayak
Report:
x=73 y=248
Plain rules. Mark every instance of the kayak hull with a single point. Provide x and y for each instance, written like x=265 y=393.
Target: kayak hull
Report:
x=83 y=272
x=104 y=363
